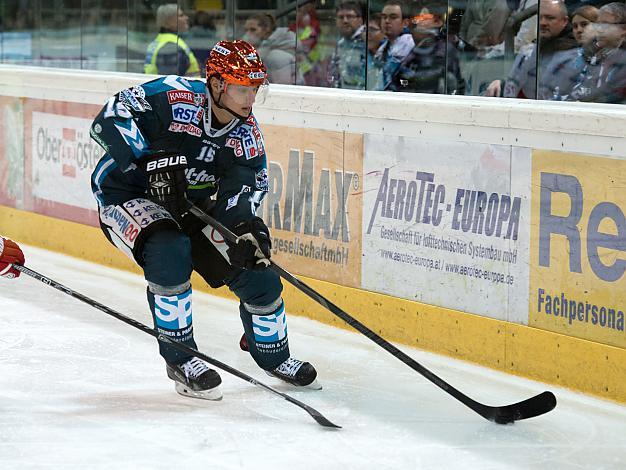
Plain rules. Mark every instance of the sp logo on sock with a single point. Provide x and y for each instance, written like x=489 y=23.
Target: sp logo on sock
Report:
x=270 y=328
x=173 y=312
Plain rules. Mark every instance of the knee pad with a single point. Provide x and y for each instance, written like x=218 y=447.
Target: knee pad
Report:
x=256 y=287
x=167 y=258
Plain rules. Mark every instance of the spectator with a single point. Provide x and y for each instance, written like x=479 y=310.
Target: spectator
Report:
x=276 y=46
x=603 y=77
x=483 y=23
x=168 y=54
x=582 y=19
x=202 y=35
x=526 y=30
x=481 y=32
x=555 y=35
x=347 y=65
x=433 y=64
x=561 y=73
x=375 y=39
x=398 y=40
x=308 y=54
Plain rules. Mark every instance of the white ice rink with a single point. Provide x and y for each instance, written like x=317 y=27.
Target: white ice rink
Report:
x=82 y=390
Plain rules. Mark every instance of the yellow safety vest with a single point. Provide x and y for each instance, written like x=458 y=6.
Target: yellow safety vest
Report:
x=161 y=40
x=314 y=54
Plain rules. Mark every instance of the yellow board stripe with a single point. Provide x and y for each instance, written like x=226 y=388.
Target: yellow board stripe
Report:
x=578 y=364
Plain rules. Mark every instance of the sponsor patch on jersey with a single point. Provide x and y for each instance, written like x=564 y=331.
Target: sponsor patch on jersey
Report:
x=246 y=140
x=235 y=144
x=93 y=132
x=199 y=99
x=180 y=96
x=139 y=92
x=134 y=98
x=122 y=224
x=221 y=50
x=199 y=178
x=183 y=112
x=188 y=128
x=232 y=202
x=261 y=180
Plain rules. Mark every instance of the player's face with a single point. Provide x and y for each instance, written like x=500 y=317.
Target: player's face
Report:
x=239 y=98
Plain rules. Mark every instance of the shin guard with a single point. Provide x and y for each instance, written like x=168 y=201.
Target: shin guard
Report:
x=172 y=317
x=265 y=328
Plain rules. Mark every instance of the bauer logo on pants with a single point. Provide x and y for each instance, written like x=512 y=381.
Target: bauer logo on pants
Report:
x=173 y=312
x=270 y=328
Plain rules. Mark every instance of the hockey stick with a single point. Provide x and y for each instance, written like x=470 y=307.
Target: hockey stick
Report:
x=316 y=415
x=534 y=406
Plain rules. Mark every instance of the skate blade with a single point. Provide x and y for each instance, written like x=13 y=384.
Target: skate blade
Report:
x=214 y=394
x=315 y=385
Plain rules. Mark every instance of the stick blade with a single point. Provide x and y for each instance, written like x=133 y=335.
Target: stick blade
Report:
x=534 y=406
x=322 y=420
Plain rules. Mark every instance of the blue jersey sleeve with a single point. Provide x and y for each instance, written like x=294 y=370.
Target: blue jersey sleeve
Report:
x=242 y=173
x=120 y=127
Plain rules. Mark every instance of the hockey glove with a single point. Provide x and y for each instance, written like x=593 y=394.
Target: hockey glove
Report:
x=252 y=250
x=10 y=253
x=167 y=183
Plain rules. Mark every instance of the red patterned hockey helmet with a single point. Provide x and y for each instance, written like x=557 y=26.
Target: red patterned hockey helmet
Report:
x=237 y=63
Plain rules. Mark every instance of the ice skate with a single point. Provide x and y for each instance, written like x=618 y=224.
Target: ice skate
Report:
x=194 y=379
x=298 y=373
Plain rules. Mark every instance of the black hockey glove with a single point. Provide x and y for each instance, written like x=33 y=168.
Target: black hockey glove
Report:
x=167 y=184
x=252 y=250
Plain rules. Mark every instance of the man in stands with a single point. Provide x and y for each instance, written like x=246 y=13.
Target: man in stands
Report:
x=398 y=43
x=432 y=66
x=347 y=65
x=168 y=53
x=169 y=143
x=555 y=34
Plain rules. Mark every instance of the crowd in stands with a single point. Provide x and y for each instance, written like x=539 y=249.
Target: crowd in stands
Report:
x=567 y=50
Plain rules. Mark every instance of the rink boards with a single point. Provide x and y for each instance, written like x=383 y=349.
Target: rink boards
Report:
x=489 y=230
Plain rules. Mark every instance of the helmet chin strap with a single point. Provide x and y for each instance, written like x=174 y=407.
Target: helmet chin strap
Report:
x=217 y=103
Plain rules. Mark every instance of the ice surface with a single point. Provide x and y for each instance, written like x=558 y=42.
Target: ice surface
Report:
x=82 y=390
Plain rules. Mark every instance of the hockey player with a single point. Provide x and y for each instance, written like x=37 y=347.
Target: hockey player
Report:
x=10 y=253
x=172 y=141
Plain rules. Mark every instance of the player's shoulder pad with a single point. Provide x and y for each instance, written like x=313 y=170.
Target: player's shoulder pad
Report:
x=172 y=82
x=134 y=99
x=246 y=140
x=175 y=89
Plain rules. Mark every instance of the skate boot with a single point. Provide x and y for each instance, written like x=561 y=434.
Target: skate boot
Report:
x=194 y=379
x=298 y=373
